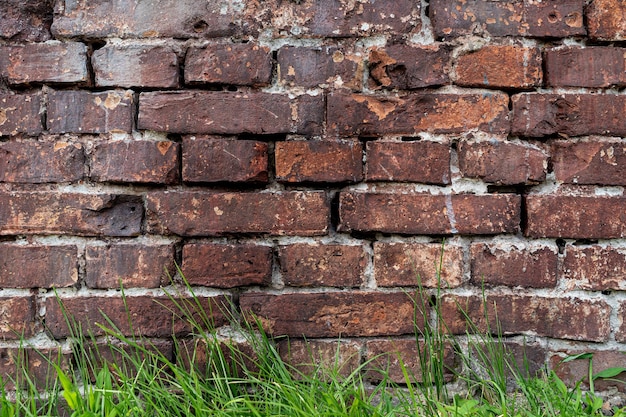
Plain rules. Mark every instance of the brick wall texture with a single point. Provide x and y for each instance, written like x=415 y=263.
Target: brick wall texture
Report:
x=306 y=160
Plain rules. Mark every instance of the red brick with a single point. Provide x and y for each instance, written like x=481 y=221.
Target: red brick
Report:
x=129 y=265
x=238 y=64
x=216 y=214
x=605 y=20
x=19 y=317
x=37 y=266
x=594 y=161
x=215 y=159
x=370 y=115
x=217 y=112
x=560 y=318
x=531 y=266
x=620 y=334
x=135 y=66
x=595 y=66
x=537 y=114
x=140 y=161
x=317 y=357
x=26 y=20
x=420 y=214
x=227 y=266
x=16 y=363
x=417 y=264
x=44 y=63
x=25 y=212
x=595 y=268
x=20 y=113
x=311 y=265
x=319 y=161
x=576 y=372
x=41 y=162
x=199 y=353
x=416 y=161
x=502 y=162
x=333 y=314
x=500 y=66
x=87 y=112
x=576 y=217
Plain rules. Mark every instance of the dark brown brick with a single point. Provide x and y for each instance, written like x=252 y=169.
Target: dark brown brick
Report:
x=24 y=212
x=129 y=265
x=140 y=161
x=26 y=20
x=594 y=161
x=605 y=20
x=87 y=112
x=418 y=161
x=215 y=159
x=238 y=64
x=428 y=214
x=417 y=264
x=19 y=317
x=534 y=267
x=319 y=161
x=199 y=353
x=37 y=266
x=595 y=268
x=315 y=357
x=20 y=113
x=23 y=365
x=577 y=371
x=215 y=214
x=311 y=265
x=135 y=66
x=227 y=266
x=595 y=66
x=369 y=115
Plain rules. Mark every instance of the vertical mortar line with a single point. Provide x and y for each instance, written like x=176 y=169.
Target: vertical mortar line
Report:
x=277 y=281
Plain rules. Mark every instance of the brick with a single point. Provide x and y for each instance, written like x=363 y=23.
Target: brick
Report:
x=531 y=266
x=507 y=18
x=502 y=162
x=500 y=66
x=620 y=334
x=87 y=112
x=311 y=265
x=20 y=113
x=199 y=354
x=215 y=214
x=416 y=161
x=417 y=264
x=406 y=67
x=426 y=214
x=135 y=66
x=44 y=63
x=129 y=266
x=333 y=314
x=560 y=318
x=369 y=115
x=606 y=20
x=34 y=363
x=235 y=64
x=136 y=161
x=217 y=112
x=577 y=371
x=595 y=66
x=227 y=266
x=19 y=317
x=37 y=266
x=316 y=357
x=576 y=217
x=594 y=161
x=26 y=20
x=595 y=268
x=150 y=316
x=319 y=161
x=25 y=212
x=41 y=162
x=537 y=115
x=215 y=159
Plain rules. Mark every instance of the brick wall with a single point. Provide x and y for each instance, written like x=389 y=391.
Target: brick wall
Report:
x=304 y=160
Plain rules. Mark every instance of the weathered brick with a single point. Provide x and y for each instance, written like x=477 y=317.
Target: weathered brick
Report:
x=333 y=314
x=313 y=357
x=19 y=317
x=620 y=334
x=215 y=213
x=319 y=161
x=25 y=212
x=140 y=161
x=577 y=371
x=135 y=66
x=500 y=66
x=129 y=265
x=561 y=318
x=36 y=363
x=417 y=161
x=429 y=214
x=215 y=159
x=370 y=115
x=236 y=64
x=20 y=113
x=310 y=265
x=44 y=63
x=198 y=353
x=41 y=162
x=605 y=20
x=531 y=266
x=417 y=264
x=594 y=161
x=595 y=268
x=502 y=162
x=576 y=217
x=37 y=266
x=227 y=266
x=26 y=20
x=88 y=112
x=216 y=112
x=595 y=66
